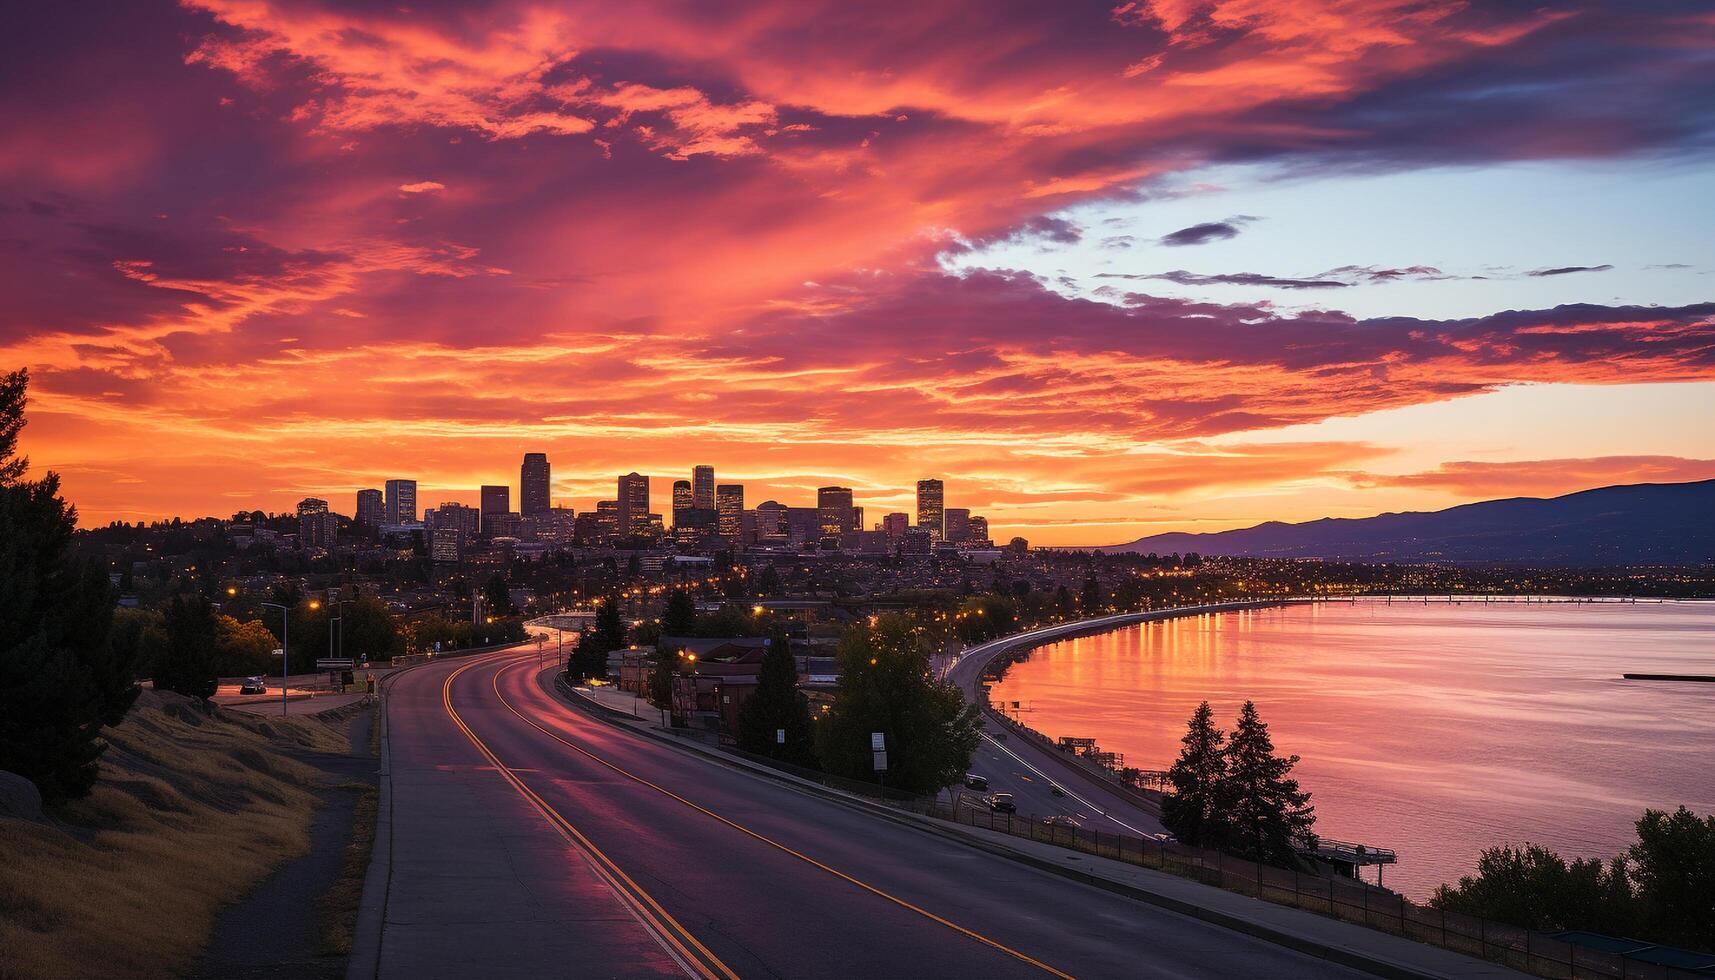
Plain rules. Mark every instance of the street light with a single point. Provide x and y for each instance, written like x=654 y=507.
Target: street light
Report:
x=286 y=646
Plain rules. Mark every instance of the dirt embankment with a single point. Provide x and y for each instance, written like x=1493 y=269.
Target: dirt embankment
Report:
x=192 y=809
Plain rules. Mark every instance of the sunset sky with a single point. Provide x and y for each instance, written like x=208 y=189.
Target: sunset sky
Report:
x=1106 y=269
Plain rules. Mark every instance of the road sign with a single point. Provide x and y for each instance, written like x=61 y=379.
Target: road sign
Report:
x=333 y=663
x=877 y=742
x=881 y=761
x=780 y=736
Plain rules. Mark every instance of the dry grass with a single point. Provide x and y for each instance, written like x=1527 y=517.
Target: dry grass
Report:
x=191 y=811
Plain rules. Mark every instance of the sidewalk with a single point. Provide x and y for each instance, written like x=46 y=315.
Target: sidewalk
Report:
x=1340 y=942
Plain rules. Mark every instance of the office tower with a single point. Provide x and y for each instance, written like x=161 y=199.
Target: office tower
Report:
x=533 y=485
x=929 y=497
x=703 y=487
x=371 y=508
x=771 y=520
x=895 y=525
x=956 y=525
x=607 y=519
x=834 y=506
x=495 y=501
x=803 y=524
x=729 y=506
x=979 y=537
x=315 y=525
x=453 y=526
x=682 y=499
x=693 y=527
x=401 y=501
x=633 y=503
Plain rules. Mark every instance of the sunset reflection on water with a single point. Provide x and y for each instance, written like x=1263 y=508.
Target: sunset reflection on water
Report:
x=1433 y=729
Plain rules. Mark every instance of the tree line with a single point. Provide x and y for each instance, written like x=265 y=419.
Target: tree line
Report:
x=886 y=685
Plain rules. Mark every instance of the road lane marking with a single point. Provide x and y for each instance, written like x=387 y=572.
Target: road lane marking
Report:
x=1073 y=795
x=657 y=921
x=979 y=937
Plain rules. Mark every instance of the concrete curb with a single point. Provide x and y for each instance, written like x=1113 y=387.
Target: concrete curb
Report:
x=1358 y=959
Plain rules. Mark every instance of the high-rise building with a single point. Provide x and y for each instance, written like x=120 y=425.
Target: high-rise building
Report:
x=315 y=525
x=682 y=498
x=496 y=500
x=895 y=525
x=533 y=485
x=771 y=521
x=929 y=501
x=401 y=502
x=453 y=527
x=607 y=519
x=703 y=486
x=371 y=508
x=956 y=525
x=834 y=506
x=979 y=532
x=729 y=505
x=633 y=503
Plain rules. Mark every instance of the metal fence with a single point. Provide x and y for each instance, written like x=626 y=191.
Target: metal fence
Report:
x=1352 y=901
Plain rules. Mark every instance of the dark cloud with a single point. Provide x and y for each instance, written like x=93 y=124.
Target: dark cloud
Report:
x=1566 y=270
x=1209 y=231
x=1184 y=278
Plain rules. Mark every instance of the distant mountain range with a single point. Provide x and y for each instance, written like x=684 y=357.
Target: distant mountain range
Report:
x=1645 y=523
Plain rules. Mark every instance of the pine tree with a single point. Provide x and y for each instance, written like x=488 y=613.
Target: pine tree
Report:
x=1091 y=599
x=1269 y=815
x=187 y=665
x=777 y=706
x=661 y=678
x=679 y=618
x=1193 y=810
x=60 y=677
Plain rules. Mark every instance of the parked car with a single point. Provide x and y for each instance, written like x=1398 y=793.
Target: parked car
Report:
x=1060 y=820
x=252 y=685
x=1002 y=803
x=974 y=781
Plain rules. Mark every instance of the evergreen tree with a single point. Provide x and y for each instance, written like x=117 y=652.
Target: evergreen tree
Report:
x=886 y=686
x=679 y=618
x=61 y=678
x=661 y=678
x=496 y=598
x=609 y=634
x=1091 y=600
x=777 y=705
x=769 y=584
x=187 y=662
x=1268 y=814
x=1193 y=810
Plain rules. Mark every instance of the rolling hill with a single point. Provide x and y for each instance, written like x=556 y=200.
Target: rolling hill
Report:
x=1645 y=523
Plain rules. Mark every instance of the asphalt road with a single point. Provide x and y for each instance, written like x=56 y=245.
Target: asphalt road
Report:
x=531 y=839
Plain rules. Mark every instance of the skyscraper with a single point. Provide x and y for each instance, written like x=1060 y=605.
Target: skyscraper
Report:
x=633 y=503
x=979 y=532
x=729 y=505
x=929 y=516
x=533 y=490
x=401 y=501
x=703 y=486
x=834 y=508
x=495 y=502
x=371 y=508
x=315 y=525
x=956 y=525
x=682 y=499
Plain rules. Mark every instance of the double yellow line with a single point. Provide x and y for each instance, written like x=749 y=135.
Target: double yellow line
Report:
x=873 y=890
x=691 y=955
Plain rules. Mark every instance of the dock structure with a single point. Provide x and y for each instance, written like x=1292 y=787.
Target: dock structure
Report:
x=1348 y=857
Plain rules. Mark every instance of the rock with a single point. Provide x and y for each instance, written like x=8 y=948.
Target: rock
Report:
x=19 y=797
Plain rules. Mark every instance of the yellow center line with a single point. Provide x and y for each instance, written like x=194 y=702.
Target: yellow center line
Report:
x=993 y=944
x=657 y=920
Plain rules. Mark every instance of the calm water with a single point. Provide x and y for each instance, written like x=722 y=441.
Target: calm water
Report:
x=1433 y=729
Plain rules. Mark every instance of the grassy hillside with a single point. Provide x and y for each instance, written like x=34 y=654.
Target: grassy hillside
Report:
x=192 y=809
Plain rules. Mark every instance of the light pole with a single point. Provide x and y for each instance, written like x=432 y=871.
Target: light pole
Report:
x=286 y=646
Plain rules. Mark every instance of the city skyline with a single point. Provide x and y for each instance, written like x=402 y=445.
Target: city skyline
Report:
x=1164 y=266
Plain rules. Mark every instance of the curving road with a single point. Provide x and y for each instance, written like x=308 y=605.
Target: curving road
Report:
x=530 y=839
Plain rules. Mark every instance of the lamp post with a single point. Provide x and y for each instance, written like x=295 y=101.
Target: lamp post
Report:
x=286 y=646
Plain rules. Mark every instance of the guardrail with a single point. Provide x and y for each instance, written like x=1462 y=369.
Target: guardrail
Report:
x=1341 y=898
